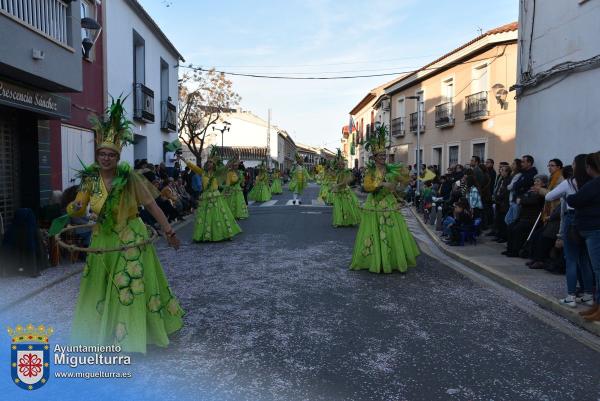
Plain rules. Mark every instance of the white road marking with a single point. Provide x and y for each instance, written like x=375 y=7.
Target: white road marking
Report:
x=268 y=203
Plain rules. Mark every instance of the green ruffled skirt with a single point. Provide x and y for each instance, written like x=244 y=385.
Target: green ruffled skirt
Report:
x=383 y=243
x=260 y=192
x=325 y=192
x=346 y=211
x=124 y=298
x=276 y=187
x=234 y=196
x=297 y=184
x=214 y=220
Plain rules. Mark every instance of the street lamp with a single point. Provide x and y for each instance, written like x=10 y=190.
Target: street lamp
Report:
x=92 y=27
x=418 y=99
x=222 y=130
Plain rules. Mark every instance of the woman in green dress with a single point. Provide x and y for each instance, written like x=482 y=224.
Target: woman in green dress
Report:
x=276 y=187
x=214 y=219
x=124 y=297
x=260 y=191
x=346 y=211
x=299 y=180
x=383 y=242
x=324 y=191
x=232 y=190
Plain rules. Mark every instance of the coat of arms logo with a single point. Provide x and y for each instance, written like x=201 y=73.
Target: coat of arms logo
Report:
x=30 y=355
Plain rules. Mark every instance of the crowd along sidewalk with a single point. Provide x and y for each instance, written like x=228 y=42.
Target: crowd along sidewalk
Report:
x=540 y=286
x=17 y=289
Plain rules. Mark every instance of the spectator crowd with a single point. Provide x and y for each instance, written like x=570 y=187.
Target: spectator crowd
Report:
x=551 y=219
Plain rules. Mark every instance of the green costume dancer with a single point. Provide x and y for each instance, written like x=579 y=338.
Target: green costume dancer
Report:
x=299 y=179
x=276 y=187
x=261 y=192
x=124 y=298
x=346 y=211
x=232 y=191
x=383 y=242
x=214 y=220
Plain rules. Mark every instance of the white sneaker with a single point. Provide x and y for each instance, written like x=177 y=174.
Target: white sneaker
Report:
x=568 y=301
x=586 y=299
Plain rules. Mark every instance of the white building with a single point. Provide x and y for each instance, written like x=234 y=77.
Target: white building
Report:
x=248 y=135
x=141 y=62
x=557 y=79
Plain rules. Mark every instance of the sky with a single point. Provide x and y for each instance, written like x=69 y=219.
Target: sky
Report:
x=319 y=38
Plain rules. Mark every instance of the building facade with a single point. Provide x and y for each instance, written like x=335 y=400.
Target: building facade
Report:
x=465 y=109
x=142 y=64
x=558 y=75
x=243 y=129
x=289 y=150
x=371 y=112
x=46 y=62
x=74 y=135
x=310 y=155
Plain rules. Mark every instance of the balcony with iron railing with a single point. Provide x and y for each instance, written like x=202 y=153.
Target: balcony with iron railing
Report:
x=444 y=115
x=49 y=18
x=414 y=124
x=168 y=116
x=476 y=106
x=398 y=127
x=143 y=100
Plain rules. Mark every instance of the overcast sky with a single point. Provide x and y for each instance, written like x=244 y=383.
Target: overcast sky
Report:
x=319 y=38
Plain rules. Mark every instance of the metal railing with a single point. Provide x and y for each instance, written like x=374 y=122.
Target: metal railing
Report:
x=49 y=17
x=143 y=101
x=413 y=122
x=168 y=116
x=398 y=126
x=476 y=106
x=444 y=114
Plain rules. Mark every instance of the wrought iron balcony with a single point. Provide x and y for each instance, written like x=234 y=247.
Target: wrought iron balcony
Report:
x=143 y=103
x=398 y=127
x=444 y=115
x=413 y=122
x=168 y=116
x=476 y=106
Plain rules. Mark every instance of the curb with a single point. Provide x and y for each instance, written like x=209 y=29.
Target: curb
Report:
x=4 y=308
x=546 y=302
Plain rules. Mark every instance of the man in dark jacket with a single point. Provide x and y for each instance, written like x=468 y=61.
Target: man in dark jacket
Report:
x=484 y=185
x=528 y=172
x=531 y=207
x=586 y=203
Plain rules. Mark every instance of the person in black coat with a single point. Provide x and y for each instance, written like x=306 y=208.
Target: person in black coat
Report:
x=586 y=203
x=528 y=173
x=532 y=204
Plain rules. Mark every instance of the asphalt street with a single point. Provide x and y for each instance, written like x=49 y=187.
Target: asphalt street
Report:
x=275 y=314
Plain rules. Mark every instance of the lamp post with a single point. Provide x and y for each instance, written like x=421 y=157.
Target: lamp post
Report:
x=418 y=99
x=222 y=131
x=92 y=27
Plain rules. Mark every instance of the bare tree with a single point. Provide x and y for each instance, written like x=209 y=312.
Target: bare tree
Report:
x=203 y=97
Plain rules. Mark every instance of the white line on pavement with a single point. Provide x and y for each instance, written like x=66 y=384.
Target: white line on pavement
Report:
x=268 y=203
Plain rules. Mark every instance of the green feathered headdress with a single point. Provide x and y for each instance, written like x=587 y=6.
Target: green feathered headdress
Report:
x=378 y=140
x=113 y=129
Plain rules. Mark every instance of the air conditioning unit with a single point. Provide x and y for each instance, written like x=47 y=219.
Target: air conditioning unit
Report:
x=385 y=105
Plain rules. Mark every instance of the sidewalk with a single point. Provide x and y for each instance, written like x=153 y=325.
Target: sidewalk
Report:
x=16 y=289
x=538 y=285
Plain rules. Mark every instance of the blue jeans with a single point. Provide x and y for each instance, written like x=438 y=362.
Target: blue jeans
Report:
x=448 y=221
x=577 y=260
x=592 y=241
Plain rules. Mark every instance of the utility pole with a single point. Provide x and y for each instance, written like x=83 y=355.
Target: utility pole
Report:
x=269 y=140
x=419 y=111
